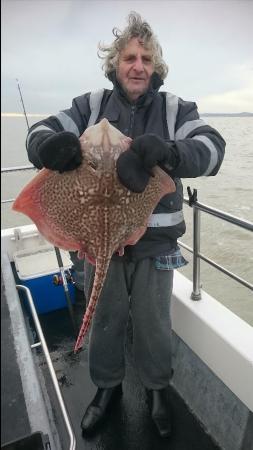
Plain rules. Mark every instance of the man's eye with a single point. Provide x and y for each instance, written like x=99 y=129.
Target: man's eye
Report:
x=129 y=59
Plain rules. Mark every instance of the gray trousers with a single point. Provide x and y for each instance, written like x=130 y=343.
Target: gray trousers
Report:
x=145 y=291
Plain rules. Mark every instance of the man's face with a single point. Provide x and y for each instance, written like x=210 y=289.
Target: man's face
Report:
x=135 y=68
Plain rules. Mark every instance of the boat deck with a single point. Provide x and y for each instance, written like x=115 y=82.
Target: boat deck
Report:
x=128 y=425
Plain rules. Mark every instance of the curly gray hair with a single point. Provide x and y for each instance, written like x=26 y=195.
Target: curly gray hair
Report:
x=136 y=28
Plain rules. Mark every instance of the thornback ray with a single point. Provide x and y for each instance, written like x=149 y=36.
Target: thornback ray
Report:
x=89 y=210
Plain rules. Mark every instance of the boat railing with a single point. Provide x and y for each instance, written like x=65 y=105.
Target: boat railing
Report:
x=15 y=169
x=198 y=208
x=197 y=255
x=42 y=343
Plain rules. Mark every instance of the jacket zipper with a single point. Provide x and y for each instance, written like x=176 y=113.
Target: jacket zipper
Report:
x=131 y=125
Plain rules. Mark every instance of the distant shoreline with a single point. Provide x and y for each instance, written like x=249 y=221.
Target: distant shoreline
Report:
x=243 y=114
x=8 y=114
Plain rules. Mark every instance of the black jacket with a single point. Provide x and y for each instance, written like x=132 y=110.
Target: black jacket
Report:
x=200 y=147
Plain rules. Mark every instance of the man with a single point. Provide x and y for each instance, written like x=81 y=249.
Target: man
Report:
x=167 y=131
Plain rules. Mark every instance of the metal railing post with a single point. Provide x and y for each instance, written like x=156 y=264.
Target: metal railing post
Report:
x=196 y=293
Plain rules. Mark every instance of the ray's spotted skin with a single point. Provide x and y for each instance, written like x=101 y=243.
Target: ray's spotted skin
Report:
x=89 y=210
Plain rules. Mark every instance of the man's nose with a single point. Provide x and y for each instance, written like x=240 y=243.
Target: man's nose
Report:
x=138 y=65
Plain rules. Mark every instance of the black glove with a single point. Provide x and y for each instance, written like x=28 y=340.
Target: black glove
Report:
x=146 y=151
x=60 y=151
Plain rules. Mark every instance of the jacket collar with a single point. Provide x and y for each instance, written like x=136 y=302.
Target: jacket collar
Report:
x=155 y=83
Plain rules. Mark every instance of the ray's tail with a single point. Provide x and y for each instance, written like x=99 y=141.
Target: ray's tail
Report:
x=102 y=265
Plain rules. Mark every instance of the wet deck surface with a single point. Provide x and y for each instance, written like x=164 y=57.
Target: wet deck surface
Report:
x=128 y=425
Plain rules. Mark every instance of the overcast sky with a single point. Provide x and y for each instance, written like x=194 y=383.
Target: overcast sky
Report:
x=51 y=47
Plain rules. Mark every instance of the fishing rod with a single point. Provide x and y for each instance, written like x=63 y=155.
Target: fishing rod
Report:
x=23 y=105
x=57 y=250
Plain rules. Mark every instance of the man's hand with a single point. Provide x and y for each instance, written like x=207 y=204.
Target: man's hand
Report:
x=61 y=151
x=131 y=172
x=151 y=149
x=146 y=151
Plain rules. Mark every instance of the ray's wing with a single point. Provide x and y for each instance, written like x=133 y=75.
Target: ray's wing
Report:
x=29 y=202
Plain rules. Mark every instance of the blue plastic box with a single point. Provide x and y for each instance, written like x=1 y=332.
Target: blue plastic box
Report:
x=36 y=270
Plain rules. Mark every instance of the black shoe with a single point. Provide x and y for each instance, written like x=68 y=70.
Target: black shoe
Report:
x=96 y=410
x=160 y=411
